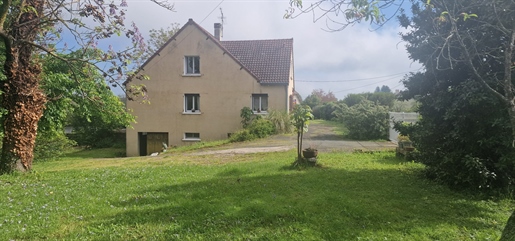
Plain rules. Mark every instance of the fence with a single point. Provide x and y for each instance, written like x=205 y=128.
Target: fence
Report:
x=410 y=117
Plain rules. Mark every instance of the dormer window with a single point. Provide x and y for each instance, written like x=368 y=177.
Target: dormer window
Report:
x=191 y=65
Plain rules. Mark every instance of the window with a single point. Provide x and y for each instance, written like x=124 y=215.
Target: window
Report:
x=192 y=103
x=190 y=136
x=192 y=65
x=260 y=102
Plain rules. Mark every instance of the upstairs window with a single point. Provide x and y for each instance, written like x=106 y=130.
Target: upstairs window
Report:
x=191 y=65
x=192 y=103
x=259 y=103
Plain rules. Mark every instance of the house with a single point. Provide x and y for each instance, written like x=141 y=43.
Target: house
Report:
x=198 y=85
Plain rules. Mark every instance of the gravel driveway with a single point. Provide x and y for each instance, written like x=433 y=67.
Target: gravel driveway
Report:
x=320 y=136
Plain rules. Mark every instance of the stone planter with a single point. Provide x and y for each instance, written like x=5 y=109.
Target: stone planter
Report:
x=310 y=153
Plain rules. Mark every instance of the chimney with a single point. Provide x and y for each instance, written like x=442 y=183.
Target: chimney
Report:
x=218 y=31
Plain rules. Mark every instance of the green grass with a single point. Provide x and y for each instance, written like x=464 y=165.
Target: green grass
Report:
x=178 y=196
x=340 y=128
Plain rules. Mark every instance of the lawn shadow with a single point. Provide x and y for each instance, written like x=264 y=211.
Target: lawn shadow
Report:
x=327 y=203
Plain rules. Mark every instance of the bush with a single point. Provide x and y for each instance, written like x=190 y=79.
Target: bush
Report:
x=242 y=135
x=49 y=147
x=281 y=121
x=365 y=121
x=246 y=116
x=325 y=111
x=98 y=138
x=464 y=139
x=258 y=127
x=261 y=128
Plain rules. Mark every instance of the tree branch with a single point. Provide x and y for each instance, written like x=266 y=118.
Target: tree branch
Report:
x=4 y=9
x=468 y=61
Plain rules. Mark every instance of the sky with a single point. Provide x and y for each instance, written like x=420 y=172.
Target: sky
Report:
x=354 y=60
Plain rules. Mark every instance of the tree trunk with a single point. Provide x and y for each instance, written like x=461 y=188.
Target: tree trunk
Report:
x=22 y=97
x=509 y=231
x=299 y=144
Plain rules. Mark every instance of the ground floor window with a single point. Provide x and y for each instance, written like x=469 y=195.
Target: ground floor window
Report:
x=191 y=136
x=260 y=103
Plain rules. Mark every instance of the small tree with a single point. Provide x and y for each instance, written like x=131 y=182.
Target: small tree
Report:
x=246 y=116
x=300 y=118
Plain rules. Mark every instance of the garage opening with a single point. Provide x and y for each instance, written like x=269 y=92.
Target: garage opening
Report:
x=150 y=142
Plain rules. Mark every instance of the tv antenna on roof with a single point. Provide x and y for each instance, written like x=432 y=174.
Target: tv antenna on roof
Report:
x=222 y=18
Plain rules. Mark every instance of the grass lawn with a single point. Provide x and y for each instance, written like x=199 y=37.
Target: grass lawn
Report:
x=339 y=128
x=178 y=196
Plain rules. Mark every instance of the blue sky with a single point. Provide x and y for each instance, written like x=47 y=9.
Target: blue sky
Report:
x=353 y=60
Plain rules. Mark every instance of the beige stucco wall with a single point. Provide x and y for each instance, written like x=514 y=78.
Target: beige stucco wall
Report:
x=224 y=88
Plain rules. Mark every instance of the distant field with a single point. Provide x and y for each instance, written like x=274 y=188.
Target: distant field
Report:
x=239 y=197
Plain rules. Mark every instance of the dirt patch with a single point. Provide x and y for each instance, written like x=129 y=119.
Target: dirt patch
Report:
x=322 y=132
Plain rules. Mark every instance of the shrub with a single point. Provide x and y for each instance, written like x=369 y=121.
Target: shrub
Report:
x=325 y=111
x=49 y=147
x=365 y=121
x=462 y=148
x=246 y=116
x=257 y=128
x=98 y=138
x=281 y=121
x=242 y=135
x=261 y=128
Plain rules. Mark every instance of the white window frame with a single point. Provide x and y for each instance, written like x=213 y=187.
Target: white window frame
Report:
x=193 y=73
x=260 y=109
x=191 y=136
x=196 y=102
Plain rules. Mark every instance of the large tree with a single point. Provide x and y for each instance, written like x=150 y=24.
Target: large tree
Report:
x=466 y=136
x=473 y=37
x=467 y=49
x=89 y=106
x=30 y=28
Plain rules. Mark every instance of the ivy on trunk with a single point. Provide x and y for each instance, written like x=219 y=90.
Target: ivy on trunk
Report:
x=22 y=97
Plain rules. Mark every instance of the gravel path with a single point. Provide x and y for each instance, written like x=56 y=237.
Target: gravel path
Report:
x=320 y=136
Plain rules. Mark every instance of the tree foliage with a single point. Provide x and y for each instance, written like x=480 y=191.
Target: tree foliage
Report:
x=475 y=38
x=30 y=29
x=386 y=89
x=383 y=88
x=319 y=97
x=157 y=38
x=325 y=97
x=325 y=111
x=353 y=99
x=312 y=101
x=340 y=14
x=300 y=118
x=386 y=99
x=466 y=94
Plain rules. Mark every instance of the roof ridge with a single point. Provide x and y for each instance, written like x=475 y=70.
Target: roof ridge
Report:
x=272 y=39
x=257 y=76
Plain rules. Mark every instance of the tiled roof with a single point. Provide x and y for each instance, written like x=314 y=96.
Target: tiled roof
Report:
x=268 y=60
